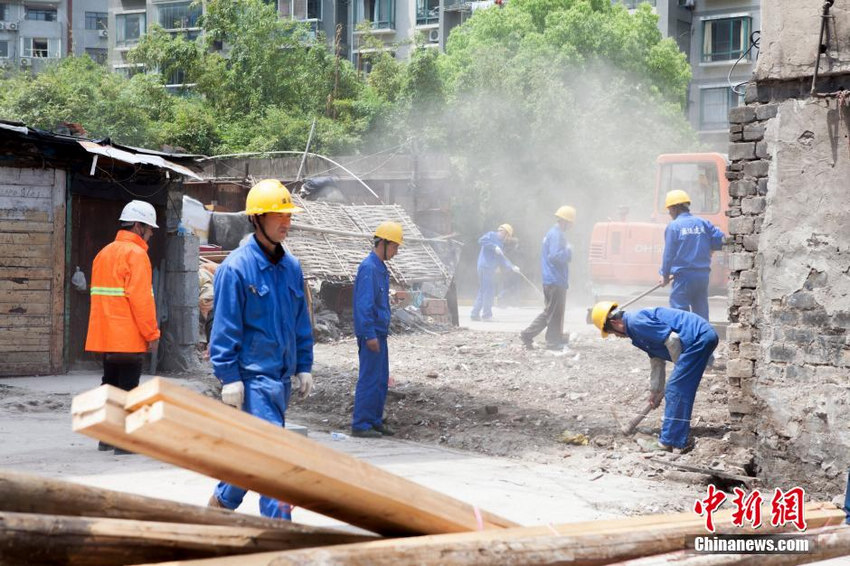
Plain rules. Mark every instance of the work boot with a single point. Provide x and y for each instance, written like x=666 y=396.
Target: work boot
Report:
x=366 y=433
x=103 y=447
x=384 y=429
x=474 y=317
x=653 y=446
x=527 y=342
x=555 y=347
x=215 y=503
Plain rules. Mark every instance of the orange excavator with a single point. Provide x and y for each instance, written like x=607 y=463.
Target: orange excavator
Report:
x=625 y=256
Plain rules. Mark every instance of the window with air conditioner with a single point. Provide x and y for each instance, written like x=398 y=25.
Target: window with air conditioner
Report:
x=179 y=15
x=97 y=21
x=4 y=11
x=98 y=55
x=4 y=49
x=302 y=9
x=40 y=47
x=715 y=104
x=381 y=13
x=129 y=28
x=427 y=12
x=725 y=39
x=40 y=14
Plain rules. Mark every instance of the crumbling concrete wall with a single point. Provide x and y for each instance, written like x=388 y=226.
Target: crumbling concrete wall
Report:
x=789 y=346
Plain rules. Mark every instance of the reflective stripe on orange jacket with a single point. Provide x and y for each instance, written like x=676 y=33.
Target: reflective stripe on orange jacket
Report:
x=123 y=313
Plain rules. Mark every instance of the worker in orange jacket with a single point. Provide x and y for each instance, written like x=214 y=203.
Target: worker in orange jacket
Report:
x=122 y=321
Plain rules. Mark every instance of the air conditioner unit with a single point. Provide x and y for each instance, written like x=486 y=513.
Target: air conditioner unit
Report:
x=434 y=35
x=103 y=33
x=25 y=62
x=12 y=26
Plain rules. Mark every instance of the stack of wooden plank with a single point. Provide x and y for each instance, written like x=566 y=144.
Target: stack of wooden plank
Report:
x=179 y=426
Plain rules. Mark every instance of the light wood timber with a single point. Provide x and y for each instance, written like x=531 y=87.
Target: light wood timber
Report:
x=29 y=538
x=287 y=466
x=575 y=544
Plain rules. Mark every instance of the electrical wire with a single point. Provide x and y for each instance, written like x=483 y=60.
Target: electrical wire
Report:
x=755 y=39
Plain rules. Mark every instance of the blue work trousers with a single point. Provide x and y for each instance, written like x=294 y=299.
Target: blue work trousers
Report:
x=371 y=392
x=690 y=292
x=486 y=289
x=266 y=398
x=682 y=389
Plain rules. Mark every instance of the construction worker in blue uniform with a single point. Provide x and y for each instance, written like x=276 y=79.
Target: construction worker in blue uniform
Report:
x=490 y=259
x=261 y=343
x=666 y=335
x=555 y=264
x=688 y=243
x=371 y=326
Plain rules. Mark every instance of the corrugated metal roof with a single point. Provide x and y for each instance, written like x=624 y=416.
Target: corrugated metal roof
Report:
x=136 y=158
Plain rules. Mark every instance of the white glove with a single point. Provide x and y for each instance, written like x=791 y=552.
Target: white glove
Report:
x=233 y=394
x=499 y=251
x=674 y=346
x=303 y=382
x=515 y=269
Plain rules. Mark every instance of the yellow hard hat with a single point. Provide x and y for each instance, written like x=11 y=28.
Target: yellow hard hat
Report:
x=567 y=213
x=600 y=313
x=676 y=196
x=509 y=230
x=269 y=195
x=391 y=231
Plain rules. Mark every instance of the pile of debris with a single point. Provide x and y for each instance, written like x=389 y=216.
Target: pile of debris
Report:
x=55 y=523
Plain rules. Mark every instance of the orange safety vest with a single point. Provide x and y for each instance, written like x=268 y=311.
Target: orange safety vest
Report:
x=123 y=313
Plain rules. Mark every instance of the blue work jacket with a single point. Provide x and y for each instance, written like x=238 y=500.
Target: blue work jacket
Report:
x=649 y=328
x=555 y=258
x=488 y=259
x=372 y=298
x=688 y=243
x=261 y=325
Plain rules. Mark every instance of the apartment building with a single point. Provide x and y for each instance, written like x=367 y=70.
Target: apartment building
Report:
x=35 y=32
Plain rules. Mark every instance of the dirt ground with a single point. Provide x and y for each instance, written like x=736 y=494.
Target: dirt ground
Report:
x=484 y=392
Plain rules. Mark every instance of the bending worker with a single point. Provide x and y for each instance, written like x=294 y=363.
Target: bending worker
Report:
x=688 y=243
x=681 y=337
x=261 y=334
x=372 y=325
x=122 y=321
x=555 y=263
x=490 y=258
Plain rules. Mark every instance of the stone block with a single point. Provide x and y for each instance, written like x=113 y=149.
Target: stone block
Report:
x=761 y=150
x=182 y=325
x=742 y=151
x=749 y=351
x=799 y=335
x=753 y=132
x=182 y=288
x=182 y=252
x=738 y=333
x=782 y=353
x=743 y=439
x=432 y=307
x=762 y=186
x=766 y=111
x=741 y=225
x=736 y=129
x=734 y=175
x=740 y=405
x=736 y=137
x=798 y=372
x=739 y=368
x=754 y=205
x=815 y=318
x=801 y=300
x=740 y=261
x=743 y=297
x=751 y=243
x=758 y=221
x=742 y=188
x=748 y=279
x=757 y=169
x=742 y=115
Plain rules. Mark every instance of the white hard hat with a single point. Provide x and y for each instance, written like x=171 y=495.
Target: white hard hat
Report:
x=139 y=211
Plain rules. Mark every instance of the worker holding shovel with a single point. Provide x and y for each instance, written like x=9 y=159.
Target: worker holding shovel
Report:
x=673 y=335
x=490 y=259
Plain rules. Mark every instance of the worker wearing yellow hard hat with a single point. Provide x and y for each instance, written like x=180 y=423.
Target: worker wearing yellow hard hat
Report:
x=491 y=258
x=555 y=262
x=688 y=244
x=261 y=342
x=371 y=326
x=667 y=335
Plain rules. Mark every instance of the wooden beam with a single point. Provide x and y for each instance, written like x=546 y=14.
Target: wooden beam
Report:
x=288 y=466
x=23 y=493
x=593 y=543
x=57 y=343
x=81 y=541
